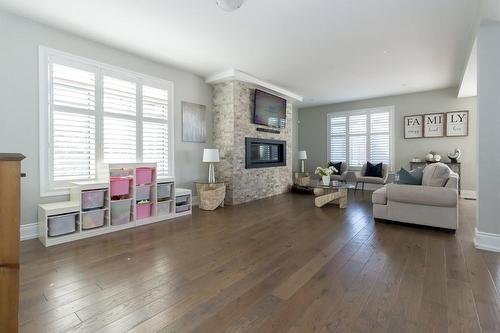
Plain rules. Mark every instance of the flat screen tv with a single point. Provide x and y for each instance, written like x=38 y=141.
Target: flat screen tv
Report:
x=269 y=110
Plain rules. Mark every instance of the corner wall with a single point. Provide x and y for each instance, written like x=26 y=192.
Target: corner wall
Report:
x=233 y=110
x=488 y=138
x=313 y=129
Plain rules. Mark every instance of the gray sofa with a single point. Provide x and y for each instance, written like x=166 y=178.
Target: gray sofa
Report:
x=434 y=203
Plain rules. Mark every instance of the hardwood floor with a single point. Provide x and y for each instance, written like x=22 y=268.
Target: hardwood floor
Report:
x=273 y=265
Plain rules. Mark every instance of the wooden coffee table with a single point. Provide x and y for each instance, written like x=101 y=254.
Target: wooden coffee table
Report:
x=336 y=193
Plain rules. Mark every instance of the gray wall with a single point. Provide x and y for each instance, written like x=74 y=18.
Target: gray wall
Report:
x=489 y=129
x=19 y=99
x=313 y=129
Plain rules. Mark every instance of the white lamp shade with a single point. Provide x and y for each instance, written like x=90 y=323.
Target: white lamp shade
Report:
x=302 y=155
x=210 y=155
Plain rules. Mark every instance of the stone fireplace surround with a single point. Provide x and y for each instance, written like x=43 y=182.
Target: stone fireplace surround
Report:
x=233 y=122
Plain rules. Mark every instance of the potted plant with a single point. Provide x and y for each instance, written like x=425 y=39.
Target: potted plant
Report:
x=325 y=173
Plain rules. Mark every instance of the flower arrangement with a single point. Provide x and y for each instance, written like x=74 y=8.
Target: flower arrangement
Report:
x=326 y=171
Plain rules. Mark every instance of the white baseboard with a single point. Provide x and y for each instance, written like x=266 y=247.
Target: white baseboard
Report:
x=468 y=194
x=487 y=241
x=29 y=231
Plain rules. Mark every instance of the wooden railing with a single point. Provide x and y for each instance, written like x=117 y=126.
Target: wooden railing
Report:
x=10 y=192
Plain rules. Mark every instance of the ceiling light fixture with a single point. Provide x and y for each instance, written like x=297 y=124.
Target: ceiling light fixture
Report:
x=229 y=5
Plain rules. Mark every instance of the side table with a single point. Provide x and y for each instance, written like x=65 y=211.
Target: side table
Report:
x=210 y=195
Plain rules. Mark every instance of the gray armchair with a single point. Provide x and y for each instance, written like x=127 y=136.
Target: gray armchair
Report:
x=343 y=173
x=361 y=178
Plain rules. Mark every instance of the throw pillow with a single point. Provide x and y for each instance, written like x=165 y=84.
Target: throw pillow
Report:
x=412 y=177
x=373 y=170
x=436 y=174
x=337 y=166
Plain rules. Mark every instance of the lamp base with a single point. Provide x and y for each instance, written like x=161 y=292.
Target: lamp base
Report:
x=211 y=173
x=302 y=168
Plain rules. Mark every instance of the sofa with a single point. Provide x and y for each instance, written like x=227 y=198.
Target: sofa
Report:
x=433 y=204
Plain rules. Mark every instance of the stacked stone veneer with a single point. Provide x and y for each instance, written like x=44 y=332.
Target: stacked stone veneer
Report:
x=233 y=122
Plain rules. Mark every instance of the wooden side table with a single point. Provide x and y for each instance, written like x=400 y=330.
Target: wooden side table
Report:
x=210 y=195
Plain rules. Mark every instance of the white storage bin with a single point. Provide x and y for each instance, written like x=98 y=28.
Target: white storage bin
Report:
x=143 y=192
x=164 y=190
x=61 y=224
x=163 y=207
x=182 y=208
x=120 y=211
x=93 y=219
x=93 y=199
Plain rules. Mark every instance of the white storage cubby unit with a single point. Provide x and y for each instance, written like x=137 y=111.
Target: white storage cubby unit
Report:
x=129 y=198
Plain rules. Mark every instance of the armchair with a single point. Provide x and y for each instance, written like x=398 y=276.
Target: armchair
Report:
x=361 y=178
x=343 y=173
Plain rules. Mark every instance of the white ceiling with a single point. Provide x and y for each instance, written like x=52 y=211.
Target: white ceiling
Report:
x=325 y=50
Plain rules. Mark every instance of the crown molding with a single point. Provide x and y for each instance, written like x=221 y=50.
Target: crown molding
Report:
x=237 y=75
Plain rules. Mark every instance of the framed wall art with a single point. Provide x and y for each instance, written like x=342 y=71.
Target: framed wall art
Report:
x=434 y=125
x=414 y=126
x=193 y=122
x=457 y=123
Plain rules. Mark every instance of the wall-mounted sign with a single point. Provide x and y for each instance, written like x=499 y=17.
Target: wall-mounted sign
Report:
x=434 y=125
x=457 y=123
x=414 y=126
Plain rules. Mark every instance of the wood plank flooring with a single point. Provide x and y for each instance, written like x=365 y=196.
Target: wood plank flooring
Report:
x=273 y=265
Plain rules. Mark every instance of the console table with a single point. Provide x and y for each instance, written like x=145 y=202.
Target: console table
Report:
x=455 y=167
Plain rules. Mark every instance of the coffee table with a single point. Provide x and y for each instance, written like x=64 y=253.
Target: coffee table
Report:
x=335 y=192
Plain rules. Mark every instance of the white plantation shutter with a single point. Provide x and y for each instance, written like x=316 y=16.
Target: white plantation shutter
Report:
x=155 y=146
x=155 y=128
x=120 y=128
x=360 y=136
x=357 y=140
x=92 y=114
x=380 y=145
x=119 y=96
x=119 y=140
x=338 y=141
x=72 y=108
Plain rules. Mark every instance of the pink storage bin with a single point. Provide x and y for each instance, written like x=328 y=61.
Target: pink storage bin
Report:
x=120 y=186
x=143 y=175
x=143 y=211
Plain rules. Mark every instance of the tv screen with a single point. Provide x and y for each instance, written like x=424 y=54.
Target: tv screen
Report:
x=269 y=110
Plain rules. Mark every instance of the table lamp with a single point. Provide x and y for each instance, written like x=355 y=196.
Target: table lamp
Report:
x=211 y=156
x=302 y=158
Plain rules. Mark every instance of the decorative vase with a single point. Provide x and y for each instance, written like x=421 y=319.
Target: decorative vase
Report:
x=325 y=180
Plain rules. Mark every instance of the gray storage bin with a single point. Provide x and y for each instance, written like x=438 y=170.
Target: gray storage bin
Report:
x=182 y=200
x=93 y=219
x=120 y=211
x=93 y=199
x=164 y=190
x=143 y=192
x=59 y=225
x=182 y=208
x=163 y=207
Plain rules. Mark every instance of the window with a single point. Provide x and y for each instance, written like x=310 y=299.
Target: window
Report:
x=92 y=114
x=362 y=135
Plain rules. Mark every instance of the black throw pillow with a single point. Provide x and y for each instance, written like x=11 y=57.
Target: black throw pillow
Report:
x=373 y=170
x=337 y=166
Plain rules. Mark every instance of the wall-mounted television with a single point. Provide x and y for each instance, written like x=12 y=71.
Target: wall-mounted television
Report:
x=269 y=110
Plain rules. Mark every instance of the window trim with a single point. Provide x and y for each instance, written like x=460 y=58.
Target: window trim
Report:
x=373 y=110
x=64 y=58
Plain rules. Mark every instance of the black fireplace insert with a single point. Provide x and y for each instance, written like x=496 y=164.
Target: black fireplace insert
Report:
x=264 y=153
